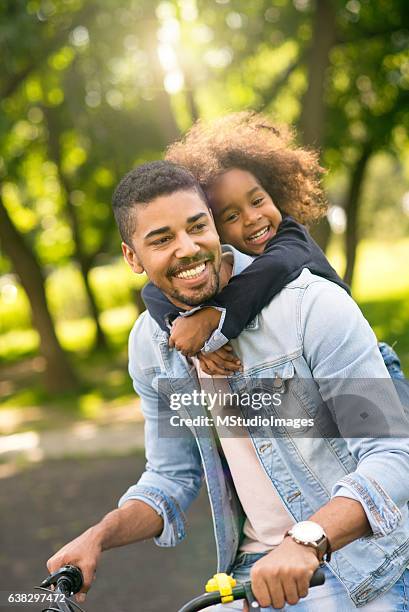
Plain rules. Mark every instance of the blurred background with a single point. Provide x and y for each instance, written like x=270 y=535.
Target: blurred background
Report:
x=91 y=88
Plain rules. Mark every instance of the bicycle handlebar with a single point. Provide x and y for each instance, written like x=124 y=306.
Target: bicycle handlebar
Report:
x=240 y=591
x=68 y=580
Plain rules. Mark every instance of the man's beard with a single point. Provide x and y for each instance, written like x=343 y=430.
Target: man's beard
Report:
x=200 y=295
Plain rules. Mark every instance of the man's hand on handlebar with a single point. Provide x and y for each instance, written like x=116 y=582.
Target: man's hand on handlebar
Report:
x=283 y=575
x=83 y=552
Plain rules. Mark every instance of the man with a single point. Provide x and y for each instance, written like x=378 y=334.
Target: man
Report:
x=344 y=500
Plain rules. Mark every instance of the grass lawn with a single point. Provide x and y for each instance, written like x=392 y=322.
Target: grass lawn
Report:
x=381 y=288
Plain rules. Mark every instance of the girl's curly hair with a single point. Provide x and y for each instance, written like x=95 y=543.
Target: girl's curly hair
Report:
x=289 y=174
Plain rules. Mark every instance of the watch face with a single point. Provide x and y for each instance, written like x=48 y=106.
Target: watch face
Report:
x=307 y=531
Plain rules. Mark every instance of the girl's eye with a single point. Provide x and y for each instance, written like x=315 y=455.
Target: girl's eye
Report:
x=258 y=201
x=231 y=217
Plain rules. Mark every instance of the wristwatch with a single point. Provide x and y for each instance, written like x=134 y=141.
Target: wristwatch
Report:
x=311 y=534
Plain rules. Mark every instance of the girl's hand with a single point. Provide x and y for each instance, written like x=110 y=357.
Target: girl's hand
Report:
x=223 y=362
x=189 y=334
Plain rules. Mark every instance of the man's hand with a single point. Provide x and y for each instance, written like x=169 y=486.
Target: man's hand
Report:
x=84 y=552
x=133 y=522
x=189 y=334
x=222 y=362
x=283 y=575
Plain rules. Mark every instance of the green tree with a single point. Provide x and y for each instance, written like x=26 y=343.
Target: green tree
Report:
x=72 y=104
x=338 y=70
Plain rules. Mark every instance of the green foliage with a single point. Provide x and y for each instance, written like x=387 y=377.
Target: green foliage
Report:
x=106 y=387
x=17 y=343
x=113 y=284
x=84 y=97
x=90 y=105
x=382 y=214
x=76 y=335
x=390 y=321
x=14 y=306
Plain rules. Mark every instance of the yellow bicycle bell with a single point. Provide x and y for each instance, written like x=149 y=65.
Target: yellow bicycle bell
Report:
x=224 y=584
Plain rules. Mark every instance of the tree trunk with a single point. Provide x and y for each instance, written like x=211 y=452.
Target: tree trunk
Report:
x=352 y=212
x=80 y=256
x=313 y=105
x=321 y=232
x=190 y=90
x=267 y=94
x=100 y=342
x=190 y=100
x=59 y=376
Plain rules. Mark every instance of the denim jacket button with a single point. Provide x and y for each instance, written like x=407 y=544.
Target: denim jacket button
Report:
x=277 y=381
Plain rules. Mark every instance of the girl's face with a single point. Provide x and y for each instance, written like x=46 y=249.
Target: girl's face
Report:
x=245 y=215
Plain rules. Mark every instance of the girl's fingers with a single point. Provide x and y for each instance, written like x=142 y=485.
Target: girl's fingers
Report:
x=222 y=363
x=212 y=367
x=228 y=356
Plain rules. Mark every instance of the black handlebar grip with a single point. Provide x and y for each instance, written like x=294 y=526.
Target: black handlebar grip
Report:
x=68 y=579
x=317 y=578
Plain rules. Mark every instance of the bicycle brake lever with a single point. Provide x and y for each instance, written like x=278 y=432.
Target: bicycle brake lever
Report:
x=251 y=600
x=70 y=574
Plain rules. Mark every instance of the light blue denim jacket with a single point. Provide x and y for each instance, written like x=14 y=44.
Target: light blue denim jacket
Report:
x=312 y=330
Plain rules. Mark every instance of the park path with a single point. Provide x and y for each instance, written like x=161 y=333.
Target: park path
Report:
x=47 y=504
x=34 y=434
x=57 y=482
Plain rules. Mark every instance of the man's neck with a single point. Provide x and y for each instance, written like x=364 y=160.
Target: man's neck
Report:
x=226 y=270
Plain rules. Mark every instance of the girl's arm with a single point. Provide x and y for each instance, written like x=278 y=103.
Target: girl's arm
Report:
x=204 y=322
x=159 y=307
x=285 y=253
x=246 y=294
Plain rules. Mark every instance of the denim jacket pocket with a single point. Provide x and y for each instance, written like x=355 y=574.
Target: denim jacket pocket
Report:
x=273 y=396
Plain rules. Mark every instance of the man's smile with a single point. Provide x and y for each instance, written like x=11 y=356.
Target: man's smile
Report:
x=193 y=274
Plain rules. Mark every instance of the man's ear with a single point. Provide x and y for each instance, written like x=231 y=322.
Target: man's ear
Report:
x=132 y=259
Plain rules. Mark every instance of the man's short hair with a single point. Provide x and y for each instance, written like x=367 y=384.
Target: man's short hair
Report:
x=145 y=183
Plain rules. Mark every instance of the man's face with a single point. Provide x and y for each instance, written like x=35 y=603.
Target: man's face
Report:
x=176 y=244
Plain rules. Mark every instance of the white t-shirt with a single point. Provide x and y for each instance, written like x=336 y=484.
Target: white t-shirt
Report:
x=267 y=519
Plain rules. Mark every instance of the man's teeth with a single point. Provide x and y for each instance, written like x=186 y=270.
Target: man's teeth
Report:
x=192 y=272
x=260 y=233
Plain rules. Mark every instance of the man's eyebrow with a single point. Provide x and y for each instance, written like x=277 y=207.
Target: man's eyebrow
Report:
x=156 y=232
x=166 y=228
x=196 y=217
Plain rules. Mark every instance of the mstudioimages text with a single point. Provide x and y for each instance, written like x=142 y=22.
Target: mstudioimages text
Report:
x=220 y=399
x=230 y=421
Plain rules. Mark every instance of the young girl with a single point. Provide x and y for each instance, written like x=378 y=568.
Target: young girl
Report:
x=262 y=190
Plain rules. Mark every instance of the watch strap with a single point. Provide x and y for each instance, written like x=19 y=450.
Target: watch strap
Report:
x=322 y=546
